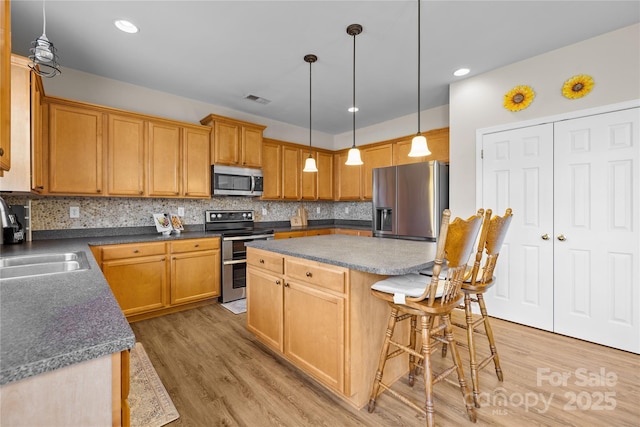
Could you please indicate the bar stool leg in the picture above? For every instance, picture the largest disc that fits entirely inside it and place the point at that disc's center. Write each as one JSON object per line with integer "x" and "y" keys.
{"x": 426, "y": 322}
{"x": 413, "y": 367}
{"x": 471, "y": 412}
{"x": 472, "y": 350}
{"x": 492, "y": 344}
{"x": 393, "y": 318}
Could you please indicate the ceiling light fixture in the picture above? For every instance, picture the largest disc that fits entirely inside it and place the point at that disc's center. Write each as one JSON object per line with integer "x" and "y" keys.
{"x": 461, "y": 72}
{"x": 353, "y": 157}
{"x": 310, "y": 163}
{"x": 126, "y": 26}
{"x": 419, "y": 145}
{"x": 44, "y": 60}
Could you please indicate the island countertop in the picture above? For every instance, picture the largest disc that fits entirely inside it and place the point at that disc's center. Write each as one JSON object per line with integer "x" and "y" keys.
{"x": 368, "y": 254}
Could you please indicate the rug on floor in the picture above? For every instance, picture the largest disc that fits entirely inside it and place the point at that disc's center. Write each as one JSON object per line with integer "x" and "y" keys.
{"x": 151, "y": 405}
{"x": 237, "y": 306}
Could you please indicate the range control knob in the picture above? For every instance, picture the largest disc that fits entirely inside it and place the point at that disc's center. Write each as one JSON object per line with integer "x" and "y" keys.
{"x": 219, "y": 216}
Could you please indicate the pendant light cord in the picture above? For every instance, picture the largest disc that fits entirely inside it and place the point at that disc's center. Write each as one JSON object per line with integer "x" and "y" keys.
{"x": 309, "y": 108}
{"x": 419, "y": 67}
{"x": 44, "y": 20}
{"x": 354, "y": 90}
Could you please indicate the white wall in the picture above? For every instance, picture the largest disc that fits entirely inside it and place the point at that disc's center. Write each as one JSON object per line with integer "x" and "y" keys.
{"x": 612, "y": 59}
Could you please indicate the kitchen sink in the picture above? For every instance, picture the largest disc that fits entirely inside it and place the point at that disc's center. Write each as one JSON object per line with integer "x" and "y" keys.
{"x": 15, "y": 267}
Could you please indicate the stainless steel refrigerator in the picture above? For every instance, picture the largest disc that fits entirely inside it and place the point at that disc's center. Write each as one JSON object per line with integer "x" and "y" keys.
{"x": 408, "y": 200}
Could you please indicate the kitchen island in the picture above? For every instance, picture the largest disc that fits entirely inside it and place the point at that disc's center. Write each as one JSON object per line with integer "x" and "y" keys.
{"x": 309, "y": 300}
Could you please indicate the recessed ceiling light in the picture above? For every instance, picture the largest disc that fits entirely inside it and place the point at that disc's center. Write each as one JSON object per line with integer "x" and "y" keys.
{"x": 352, "y": 109}
{"x": 126, "y": 26}
{"x": 461, "y": 72}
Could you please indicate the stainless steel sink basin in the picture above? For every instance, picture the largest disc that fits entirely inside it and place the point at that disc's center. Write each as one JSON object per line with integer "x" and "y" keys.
{"x": 15, "y": 267}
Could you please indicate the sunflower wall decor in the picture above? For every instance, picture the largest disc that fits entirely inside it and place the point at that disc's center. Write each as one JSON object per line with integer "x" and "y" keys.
{"x": 518, "y": 98}
{"x": 577, "y": 86}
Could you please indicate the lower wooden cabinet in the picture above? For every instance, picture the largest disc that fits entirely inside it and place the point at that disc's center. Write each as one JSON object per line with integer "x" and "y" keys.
{"x": 151, "y": 278}
{"x": 300, "y": 312}
{"x": 321, "y": 232}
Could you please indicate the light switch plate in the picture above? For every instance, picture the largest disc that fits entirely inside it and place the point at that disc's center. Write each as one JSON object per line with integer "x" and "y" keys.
{"x": 180, "y": 211}
{"x": 264, "y": 211}
{"x": 74, "y": 212}
{"x": 318, "y": 210}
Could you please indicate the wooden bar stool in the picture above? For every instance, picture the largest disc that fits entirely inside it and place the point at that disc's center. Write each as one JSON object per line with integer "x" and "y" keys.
{"x": 479, "y": 279}
{"x": 414, "y": 296}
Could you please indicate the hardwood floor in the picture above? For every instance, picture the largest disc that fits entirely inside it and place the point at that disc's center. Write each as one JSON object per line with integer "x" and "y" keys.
{"x": 218, "y": 374}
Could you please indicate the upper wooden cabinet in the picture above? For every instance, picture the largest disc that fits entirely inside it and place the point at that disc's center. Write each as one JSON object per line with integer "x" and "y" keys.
{"x": 235, "y": 142}
{"x": 437, "y": 140}
{"x": 75, "y": 150}
{"x": 377, "y": 156}
{"x": 272, "y": 169}
{"x": 125, "y": 156}
{"x": 291, "y": 170}
{"x": 5, "y": 86}
{"x": 164, "y": 160}
{"x": 196, "y": 167}
{"x": 324, "y": 161}
{"x": 348, "y": 178}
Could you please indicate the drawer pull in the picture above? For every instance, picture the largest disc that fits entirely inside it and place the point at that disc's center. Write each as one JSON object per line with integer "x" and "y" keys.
{"x": 277, "y": 282}
{"x": 261, "y": 261}
{"x": 308, "y": 274}
{"x": 197, "y": 245}
{"x": 135, "y": 251}
{"x": 286, "y": 285}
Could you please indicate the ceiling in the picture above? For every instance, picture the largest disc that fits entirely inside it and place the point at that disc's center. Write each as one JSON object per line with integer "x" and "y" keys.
{"x": 220, "y": 51}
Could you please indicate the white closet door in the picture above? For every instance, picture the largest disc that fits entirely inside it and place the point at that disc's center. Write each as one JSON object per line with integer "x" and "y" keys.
{"x": 597, "y": 268}
{"x": 518, "y": 173}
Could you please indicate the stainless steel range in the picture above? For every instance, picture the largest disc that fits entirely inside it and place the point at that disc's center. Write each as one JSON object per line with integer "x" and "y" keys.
{"x": 237, "y": 228}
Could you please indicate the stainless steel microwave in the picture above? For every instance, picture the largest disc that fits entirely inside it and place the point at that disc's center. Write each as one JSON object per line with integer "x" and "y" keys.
{"x": 234, "y": 181}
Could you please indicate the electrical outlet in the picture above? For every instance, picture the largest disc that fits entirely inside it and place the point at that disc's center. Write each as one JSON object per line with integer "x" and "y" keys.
{"x": 318, "y": 210}
{"x": 346, "y": 210}
{"x": 74, "y": 212}
{"x": 264, "y": 211}
{"x": 180, "y": 211}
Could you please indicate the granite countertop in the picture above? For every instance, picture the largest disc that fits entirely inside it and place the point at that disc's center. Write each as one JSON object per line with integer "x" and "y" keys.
{"x": 49, "y": 322}
{"x": 372, "y": 255}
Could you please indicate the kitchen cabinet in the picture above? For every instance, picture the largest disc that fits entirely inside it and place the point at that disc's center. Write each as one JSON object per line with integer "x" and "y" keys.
{"x": 272, "y": 169}
{"x": 138, "y": 274}
{"x": 309, "y": 188}
{"x": 75, "y": 150}
{"x": 376, "y": 156}
{"x": 126, "y": 156}
{"x": 195, "y": 270}
{"x": 348, "y": 178}
{"x": 5, "y": 86}
{"x": 196, "y": 169}
{"x": 309, "y": 300}
{"x": 291, "y": 173}
{"x": 437, "y": 140}
{"x": 324, "y": 162}
{"x": 353, "y": 232}
{"x": 154, "y": 278}
{"x": 235, "y": 142}
{"x": 25, "y": 127}
{"x": 303, "y": 233}
{"x": 164, "y": 160}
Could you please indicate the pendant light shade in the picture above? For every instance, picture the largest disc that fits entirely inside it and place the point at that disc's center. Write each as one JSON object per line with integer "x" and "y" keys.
{"x": 310, "y": 163}
{"x": 44, "y": 59}
{"x": 419, "y": 145}
{"x": 353, "y": 158}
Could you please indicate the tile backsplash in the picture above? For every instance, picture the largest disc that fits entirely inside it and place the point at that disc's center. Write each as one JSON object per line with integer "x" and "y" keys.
{"x": 52, "y": 213}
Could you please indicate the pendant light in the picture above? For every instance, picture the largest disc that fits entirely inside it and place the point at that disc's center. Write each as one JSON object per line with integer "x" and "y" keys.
{"x": 44, "y": 60}
{"x": 310, "y": 163}
{"x": 353, "y": 157}
{"x": 419, "y": 146}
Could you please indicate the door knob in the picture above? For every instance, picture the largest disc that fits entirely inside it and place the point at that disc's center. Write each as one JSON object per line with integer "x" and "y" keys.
{"x": 545, "y": 236}
{"x": 561, "y": 237}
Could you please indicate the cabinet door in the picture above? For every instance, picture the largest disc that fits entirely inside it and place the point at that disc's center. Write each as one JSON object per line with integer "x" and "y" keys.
{"x": 347, "y": 179}
{"x": 125, "y": 147}
{"x": 164, "y": 160}
{"x": 139, "y": 284}
{"x": 195, "y": 276}
{"x": 251, "y": 148}
{"x": 226, "y": 143}
{"x": 288, "y": 234}
{"x": 291, "y": 170}
{"x": 75, "y": 150}
{"x": 5, "y": 86}
{"x": 37, "y": 152}
{"x": 264, "y": 307}
{"x": 375, "y": 157}
{"x": 325, "y": 176}
{"x": 196, "y": 168}
{"x": 437, "y": 140}
{"x": 272, "y": 170}
{"x": 309, "y": 179}
{"x": 314, "y": 332}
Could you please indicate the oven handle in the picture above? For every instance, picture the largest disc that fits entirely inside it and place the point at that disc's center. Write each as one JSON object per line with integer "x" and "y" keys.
{"x": 254, "y": 237}
{"x": 253, "y": 183}
{"x": 236, "y": 261}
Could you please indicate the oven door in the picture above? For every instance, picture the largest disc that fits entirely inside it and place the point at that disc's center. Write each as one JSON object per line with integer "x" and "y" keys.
{"x": 234, "y": 265}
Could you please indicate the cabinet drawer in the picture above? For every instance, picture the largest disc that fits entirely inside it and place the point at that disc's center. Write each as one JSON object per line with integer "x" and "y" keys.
{"x": 132, "y": 250}
{"x": 265, "y": 260}
{"x": 316, "y": 274}
{"x": 191, "y": 245}
{"x": 288, "y": 234}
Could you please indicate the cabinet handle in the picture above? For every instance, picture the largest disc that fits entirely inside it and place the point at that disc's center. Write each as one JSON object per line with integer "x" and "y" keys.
{"x": 308, "y": 274}
{"x": 1, "y": 151}
{"x": 140, "y": 192}
{"x": 163, "y": 259}
{"x": 277, "y": 282}
{"x": 197, "y": 245}
{"x": 135, "y": 251}
{"x": 286, "y": 285}
{"x": 98, "y": 191}
{"x": 261, "y": 261}
{"x": 545, "y": 236}
{"x": 561, "y": 237}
